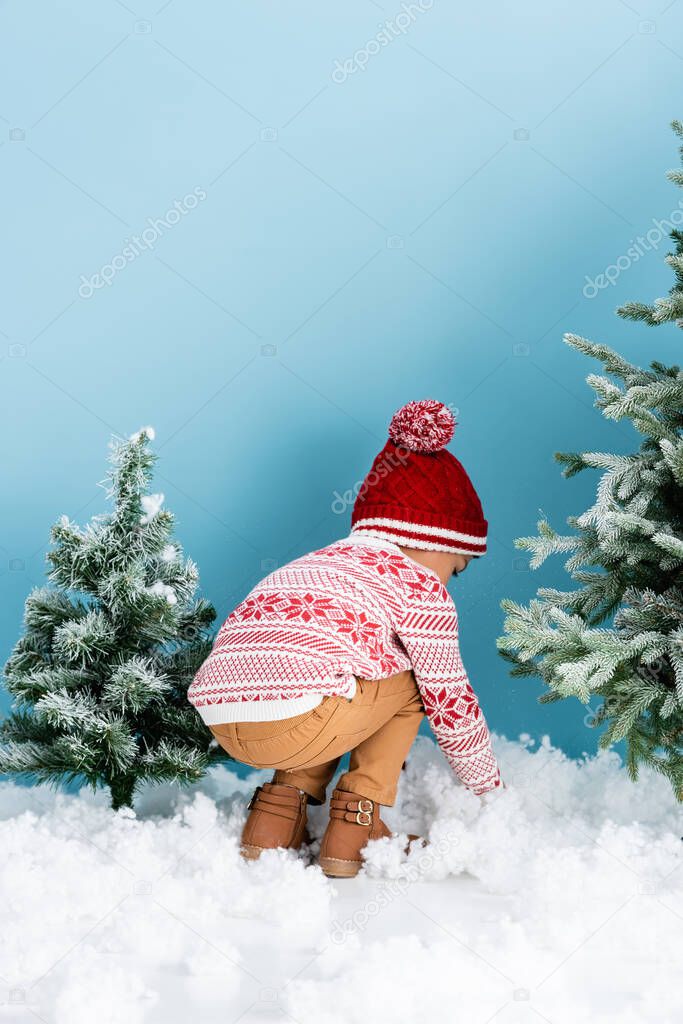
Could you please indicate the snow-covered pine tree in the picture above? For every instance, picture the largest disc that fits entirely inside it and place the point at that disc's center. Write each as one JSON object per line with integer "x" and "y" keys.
{"x": 619, "y": 635}
{"x": 670, "y": 309}
{"x": 101, "y": 672}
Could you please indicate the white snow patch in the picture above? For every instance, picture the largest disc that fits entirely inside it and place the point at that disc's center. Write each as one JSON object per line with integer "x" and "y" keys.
{"x": 169, "y": 553}
{"x": 96, "y": 989}
{"x": 163, "y": 590}
{"x": 151, "y": 506}
{"x": 561, "y": 898}
{"x": 148, "y": 432}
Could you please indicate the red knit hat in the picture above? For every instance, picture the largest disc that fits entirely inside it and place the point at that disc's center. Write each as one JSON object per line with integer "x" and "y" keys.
{"x": 417, "y": 494}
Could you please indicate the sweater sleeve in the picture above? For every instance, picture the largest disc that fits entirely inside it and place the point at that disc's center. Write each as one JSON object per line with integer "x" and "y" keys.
{"x": 429, "y": 632}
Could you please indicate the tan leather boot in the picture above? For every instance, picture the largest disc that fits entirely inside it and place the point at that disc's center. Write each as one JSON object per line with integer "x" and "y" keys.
{"x": 277, "y": 819}
{"x": 354, "y": 820}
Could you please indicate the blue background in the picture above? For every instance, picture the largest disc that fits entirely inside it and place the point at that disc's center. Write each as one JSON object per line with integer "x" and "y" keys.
{"x": 422, "y": 227}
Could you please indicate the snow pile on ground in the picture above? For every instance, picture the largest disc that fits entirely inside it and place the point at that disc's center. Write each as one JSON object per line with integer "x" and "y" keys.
{"x": 559, "y": 899}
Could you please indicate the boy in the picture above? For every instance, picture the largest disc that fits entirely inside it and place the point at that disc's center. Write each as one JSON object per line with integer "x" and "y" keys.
{"x": 347, "y": 648}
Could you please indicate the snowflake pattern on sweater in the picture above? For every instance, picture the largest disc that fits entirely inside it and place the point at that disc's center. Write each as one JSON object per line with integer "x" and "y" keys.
{"x": 358, "y": 608}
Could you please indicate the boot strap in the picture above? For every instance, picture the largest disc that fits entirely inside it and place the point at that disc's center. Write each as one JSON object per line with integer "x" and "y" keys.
{"x": 254, "y": 798}
{"x": 270, "y": 803}
{"x": 260, "y": 793}
{"x": 357, "y": 811}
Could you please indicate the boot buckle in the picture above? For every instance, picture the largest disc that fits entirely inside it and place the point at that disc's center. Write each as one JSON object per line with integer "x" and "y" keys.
{"x": 254, "y": 798}
{"x": 363, "y": 814}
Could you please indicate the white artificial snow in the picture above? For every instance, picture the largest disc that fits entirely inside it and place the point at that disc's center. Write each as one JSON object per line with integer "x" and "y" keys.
{"x": 558, "y": 899}
{"x": 96, "y": 989}
{"x": 163, "y": 590}
{"x": 151, "y": 506}
{"x": 148, "y": 432}
{"x": 169, "y": 553}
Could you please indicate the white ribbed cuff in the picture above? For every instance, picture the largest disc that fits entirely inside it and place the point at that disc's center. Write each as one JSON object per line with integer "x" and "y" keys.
{"x": 258, "y": 710}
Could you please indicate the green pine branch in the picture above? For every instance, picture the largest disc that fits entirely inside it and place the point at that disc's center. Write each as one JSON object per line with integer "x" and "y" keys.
{"x": 670, "y": 309}
{"x": 616, "y": 636}
{"x": 99, "y": 676}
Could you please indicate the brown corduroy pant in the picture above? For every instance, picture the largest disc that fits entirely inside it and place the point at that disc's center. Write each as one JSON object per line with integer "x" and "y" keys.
{"x": 377, "y": 727}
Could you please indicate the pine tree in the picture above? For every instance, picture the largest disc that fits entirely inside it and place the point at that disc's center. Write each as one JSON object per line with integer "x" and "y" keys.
{"x": 101, "y": 671}
{"x": 618, "y": 635}
{"x": 670, "y": 309}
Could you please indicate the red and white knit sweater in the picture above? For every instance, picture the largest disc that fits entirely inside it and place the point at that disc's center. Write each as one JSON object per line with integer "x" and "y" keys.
{"x": 359, "y": 607}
